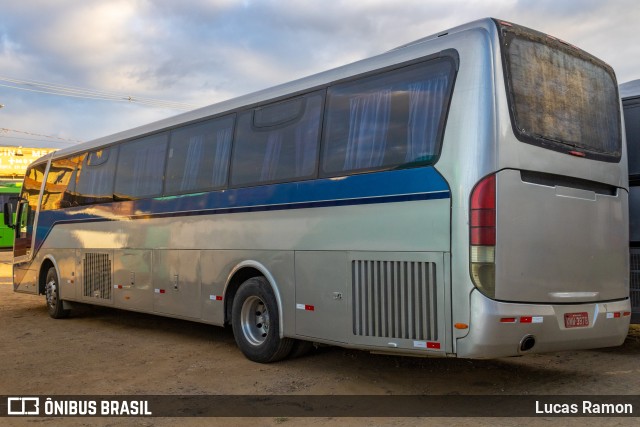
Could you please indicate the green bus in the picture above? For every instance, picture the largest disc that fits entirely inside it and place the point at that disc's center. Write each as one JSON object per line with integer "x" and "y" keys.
{"x": 8, "y": 189}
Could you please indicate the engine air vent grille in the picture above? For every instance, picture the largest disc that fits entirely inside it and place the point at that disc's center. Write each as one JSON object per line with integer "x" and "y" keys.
{"x": 97, "y": 276}
{"x": 394, "y": 299}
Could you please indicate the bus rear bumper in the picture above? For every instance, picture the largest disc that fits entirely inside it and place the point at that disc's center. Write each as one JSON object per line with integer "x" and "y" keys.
{"x": 508, "y": 329}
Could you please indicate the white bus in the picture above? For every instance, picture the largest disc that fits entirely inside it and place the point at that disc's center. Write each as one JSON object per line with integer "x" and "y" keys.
{"x": 462, "y": 195}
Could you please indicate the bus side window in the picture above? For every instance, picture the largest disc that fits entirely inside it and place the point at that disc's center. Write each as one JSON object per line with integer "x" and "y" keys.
{"x": 141, "y": 167}
{"x": 278, "y": 142}
{"x": 199, "y": 156}
{"x": 59, "y": 189}
{"x": 95, "y": 180}
{"x": 395, "y": 119}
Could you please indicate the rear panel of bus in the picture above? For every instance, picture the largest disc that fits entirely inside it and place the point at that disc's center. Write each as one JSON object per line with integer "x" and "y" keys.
{"x": 548, "y": 235}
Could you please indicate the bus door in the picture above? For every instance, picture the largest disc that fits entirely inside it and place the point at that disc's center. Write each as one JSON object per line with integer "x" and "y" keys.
{"x": 25, "y": 227}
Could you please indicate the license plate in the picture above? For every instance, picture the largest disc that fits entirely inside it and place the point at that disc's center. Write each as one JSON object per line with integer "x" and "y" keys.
{"x": 576, "y": 320}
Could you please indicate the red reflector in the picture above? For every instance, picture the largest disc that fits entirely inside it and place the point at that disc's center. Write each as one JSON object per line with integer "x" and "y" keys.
{"x": 218, "y": 297}
{"x": 309, "y": 307}
{"x": 577, "y": 153}
{"x": 626, "y": 313}
{"x": 508, "y": 320}
{"x": 616, "y": 314}
{"x": 506, "y": 23}
{"x": 486, "y": 217}
{"x": 435, "y": 345}
{"x": 525, "y": 319}
{"x": 483, "y": 236}
{"x": 162, "y": 291}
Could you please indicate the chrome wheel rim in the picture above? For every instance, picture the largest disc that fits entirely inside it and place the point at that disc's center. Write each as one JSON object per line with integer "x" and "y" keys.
{"x": 254, "y": 319}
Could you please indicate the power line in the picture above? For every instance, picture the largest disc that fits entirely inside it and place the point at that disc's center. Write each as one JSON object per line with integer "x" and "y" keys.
{"x": 38, "y": 134}
{"x": 77, "y": 92}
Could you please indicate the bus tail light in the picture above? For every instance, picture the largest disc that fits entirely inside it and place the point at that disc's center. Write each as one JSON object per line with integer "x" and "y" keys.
{"x": 482, "y": 234}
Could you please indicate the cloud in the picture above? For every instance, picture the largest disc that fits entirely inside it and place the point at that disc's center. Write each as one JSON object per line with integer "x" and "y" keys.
{"x": 205, "y": 51}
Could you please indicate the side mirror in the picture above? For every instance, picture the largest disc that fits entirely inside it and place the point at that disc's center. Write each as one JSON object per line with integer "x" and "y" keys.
{"x": 8, "y": 215}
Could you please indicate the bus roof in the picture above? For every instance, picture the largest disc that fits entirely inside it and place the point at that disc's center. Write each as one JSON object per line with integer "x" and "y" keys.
{"x": 403, "y": 53}
{"x": 630, "y": 89}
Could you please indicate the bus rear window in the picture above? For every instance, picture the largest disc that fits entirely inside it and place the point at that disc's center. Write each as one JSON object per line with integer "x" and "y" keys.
{"x": 560, "y": 97}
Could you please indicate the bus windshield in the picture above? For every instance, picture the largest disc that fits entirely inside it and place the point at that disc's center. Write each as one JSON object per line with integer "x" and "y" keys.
{"x": 560, "y": 97}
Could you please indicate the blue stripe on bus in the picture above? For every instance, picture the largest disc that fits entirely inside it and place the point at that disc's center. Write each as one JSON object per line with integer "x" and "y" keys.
{"x": 373, "y": 188}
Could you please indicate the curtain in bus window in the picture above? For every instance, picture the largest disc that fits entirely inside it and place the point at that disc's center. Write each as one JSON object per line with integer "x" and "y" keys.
{"x": 368, "y": 125}
{"x": 272, "y": 156}
{"x": 221, "y": 159}
{"x": 277, "y": 142}
{"x": 199, "y": 156}
{"x": 192, "y": 164}
{"x": 145, "y": 164}
{"x": 306, "y": 145}
{"x": 425, "y": 109}
{"x": 387, "y": 121}
{"x": 95, "y": 181}
{"x": 141, "y": 167}
{"x": 98, "y": 184}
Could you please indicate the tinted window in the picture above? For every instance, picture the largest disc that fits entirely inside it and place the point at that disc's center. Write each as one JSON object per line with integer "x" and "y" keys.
{"x": 389, "y": 120}
{"x": 32, "y": 183}
{"x": 95, "y": 179}
{"x": 632, "y": 125}
{"x": 60, "y": 184}
{"x": 199, "y": 156}
{"x": 141, "y": 167}
{"x": 278, "y": 142}
{"x": 561, "y": 98}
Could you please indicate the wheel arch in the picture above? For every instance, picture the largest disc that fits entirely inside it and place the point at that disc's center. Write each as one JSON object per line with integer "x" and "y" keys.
{"x": 48, "y": 262}
{"x": 241, "y": 273}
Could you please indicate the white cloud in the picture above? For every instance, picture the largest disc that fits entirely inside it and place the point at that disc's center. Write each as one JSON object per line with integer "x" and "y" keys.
{"x": 204, "y": 51}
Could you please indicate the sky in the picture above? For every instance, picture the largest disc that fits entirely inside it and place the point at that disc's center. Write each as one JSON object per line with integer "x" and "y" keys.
{"x": 200, "y": 52}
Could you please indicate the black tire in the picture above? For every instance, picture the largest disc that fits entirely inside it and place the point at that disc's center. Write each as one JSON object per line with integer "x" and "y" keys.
{"x": 256, "y": 324}
{"x": 52, "y": 296}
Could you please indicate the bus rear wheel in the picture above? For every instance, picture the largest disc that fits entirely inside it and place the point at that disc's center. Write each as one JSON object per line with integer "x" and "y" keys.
{"x": 256, "y": 324}
{"x": 52, "y": 295}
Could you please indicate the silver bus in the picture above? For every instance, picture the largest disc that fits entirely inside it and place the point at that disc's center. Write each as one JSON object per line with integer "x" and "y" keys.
{"x": 462, "y": 195}
{"x": 630, "y": 94}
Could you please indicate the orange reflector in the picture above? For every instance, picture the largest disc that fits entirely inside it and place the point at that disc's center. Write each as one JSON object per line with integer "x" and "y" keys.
{"x": 525, "y": 319}
{"x": 508, "y": 320}
{"x": 461, "y": 326}
{"x": 626, "y": 313}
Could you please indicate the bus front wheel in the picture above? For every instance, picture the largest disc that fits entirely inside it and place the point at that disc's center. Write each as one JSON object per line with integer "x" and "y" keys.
{"x": 256, "y": 324}
{"x": 52, "y": 294}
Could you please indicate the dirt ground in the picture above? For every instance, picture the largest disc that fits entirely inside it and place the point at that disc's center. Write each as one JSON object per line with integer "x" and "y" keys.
{"x": 100, "y": 351}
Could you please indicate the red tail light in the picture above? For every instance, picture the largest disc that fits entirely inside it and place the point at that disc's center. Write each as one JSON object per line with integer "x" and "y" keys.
{"x": 482, "y": 235}
{"x": 483, "y": 213}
